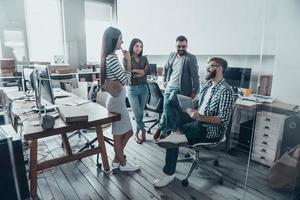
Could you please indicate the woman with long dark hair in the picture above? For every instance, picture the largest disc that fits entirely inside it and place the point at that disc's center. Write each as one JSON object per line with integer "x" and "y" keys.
{"x": 137, "y": 92}
{"x": 112, "y": 70}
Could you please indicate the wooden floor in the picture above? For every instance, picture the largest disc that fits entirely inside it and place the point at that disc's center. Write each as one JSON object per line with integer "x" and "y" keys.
{"x": 82, "y": 179}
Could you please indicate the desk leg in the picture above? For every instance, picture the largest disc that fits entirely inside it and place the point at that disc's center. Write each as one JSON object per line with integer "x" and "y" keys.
{"x": 102, "y": 148}
{"x": 33, "y": 169}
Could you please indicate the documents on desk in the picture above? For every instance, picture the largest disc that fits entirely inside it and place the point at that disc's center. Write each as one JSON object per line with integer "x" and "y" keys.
{"x": 259, "y": 98}
{"x": 77, "y": 102}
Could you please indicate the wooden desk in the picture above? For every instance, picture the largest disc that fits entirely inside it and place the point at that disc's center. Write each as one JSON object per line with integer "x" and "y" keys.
{"x": 98, "y": 115}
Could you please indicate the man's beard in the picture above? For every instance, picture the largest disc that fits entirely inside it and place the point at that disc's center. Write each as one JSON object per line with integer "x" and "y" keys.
{"x": 211, "y": 75}
{"x": 181, "y": 52}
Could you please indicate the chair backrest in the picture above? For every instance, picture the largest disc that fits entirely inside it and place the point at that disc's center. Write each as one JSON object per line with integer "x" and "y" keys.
{"x": 102, "y": 97}
{"x": 93, "y": 91}
{"x": 156, "y": 98}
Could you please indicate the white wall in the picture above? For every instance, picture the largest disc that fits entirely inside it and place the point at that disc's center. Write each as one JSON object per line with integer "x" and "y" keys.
{"x": 286, "y": 85}
{"x": 214, "y": 27}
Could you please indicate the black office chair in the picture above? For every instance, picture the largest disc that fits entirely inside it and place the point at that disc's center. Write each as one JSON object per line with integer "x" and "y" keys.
{"x": 155, "y": 103}
{"x": 201, "y": 161}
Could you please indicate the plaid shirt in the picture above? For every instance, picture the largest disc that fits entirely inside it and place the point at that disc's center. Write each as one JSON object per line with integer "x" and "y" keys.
{"x": 220, "y": 104}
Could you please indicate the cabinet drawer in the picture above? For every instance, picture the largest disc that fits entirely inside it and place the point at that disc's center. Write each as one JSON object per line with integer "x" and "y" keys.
{"x": 265, "y": 142}
{"x": 266, "y": 153}
{"x": 262, "y": 159}
{"x": 270, "y": 122}
{"x": 263, "y": 135}
{"x": 270, "y": 128}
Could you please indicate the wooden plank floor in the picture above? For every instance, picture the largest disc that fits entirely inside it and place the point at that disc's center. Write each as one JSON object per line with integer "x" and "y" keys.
{"x": 83, "y": 180}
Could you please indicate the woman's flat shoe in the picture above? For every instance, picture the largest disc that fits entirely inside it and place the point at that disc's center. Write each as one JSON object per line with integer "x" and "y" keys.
{"x": 138, "y": 140}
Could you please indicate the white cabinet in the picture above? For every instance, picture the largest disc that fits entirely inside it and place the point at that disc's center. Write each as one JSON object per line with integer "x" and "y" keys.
{"x": 267, "y": 137}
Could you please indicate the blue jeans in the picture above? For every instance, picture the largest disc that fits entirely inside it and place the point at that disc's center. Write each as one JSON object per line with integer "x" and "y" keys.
{"x": 193, "y": 130}
{"x": 138, "y": 96}
{"x": 170, "y": 101}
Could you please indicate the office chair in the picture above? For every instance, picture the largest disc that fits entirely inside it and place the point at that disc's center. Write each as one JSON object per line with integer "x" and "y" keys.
{"x": 72, "y": 85}
{"x": 155, "y": 103}
{"x": 201, "y": 161}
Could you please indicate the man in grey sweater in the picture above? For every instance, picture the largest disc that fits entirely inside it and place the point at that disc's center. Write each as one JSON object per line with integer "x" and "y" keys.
{"x": 180, "y": 77}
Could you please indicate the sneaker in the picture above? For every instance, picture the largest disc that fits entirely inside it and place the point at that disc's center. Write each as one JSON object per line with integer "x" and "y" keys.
{"x": 164, "y": 180}
{"x": 115, "y": 165}
{"x": 175, "y": 139}
{"x": 129, "y": 168}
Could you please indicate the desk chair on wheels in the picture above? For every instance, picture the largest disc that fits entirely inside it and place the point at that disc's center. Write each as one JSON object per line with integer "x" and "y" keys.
{"x": 69, "y": 85}
{"x": 155, "y": 103}
{"x": 201, "y": 161}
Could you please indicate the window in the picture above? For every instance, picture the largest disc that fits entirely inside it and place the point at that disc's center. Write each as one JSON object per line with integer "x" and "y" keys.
{"x": 44, "y": 29}
{"x": 98, "y": 16}
{"x": 14, "y": 46}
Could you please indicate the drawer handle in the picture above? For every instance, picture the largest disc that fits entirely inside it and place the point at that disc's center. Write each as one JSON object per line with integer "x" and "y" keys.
{"x": 262, "y": 157}
{"x": 263, "y": 150}
{"x": 265, "y": 135}
{"x": 264, "y": 142}
{"x": 267, "y": 127}
{"x": 267, "y": 119}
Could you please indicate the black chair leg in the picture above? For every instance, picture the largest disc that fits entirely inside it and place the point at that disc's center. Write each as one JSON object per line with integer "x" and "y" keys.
{"x": 149, "y": 130}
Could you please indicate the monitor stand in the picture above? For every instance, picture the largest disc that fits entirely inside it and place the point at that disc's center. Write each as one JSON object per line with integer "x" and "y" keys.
{"x": 47, "y": 108}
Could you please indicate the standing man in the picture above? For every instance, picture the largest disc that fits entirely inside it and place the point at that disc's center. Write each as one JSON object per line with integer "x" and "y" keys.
{"x": 180, "y": 77}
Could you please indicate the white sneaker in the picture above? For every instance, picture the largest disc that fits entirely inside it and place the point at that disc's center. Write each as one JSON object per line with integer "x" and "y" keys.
{"x": 129, "y": 168}
{"x": 175, "y": 139}
{"x": 115, "y": 165}
{"x": 164, "y": 180}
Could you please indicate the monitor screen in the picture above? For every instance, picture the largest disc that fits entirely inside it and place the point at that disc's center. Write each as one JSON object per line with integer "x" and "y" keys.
{"x": 238, "y": 77}
{"x": 27, "y": 79}
{"x": 42, "y": 73}
{"x": 153, "y": 70}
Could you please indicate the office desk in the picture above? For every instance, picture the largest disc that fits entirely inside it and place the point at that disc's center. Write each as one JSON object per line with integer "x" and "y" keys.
{"x": 247, "y": 110}
{"x": 97, "y": 115}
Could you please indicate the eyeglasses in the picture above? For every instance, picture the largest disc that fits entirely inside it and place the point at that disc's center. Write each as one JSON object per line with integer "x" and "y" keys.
{"x": 181, "y": 46}
{"x": 212, "y": 67}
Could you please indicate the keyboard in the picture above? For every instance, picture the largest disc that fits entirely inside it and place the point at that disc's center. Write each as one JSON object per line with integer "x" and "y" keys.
{"x": 3, "y": 134}
{"x": 59, "y": 93}
{"x": 7, "y": 131}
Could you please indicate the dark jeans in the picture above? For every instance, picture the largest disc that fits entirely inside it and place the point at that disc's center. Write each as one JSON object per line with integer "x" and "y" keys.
{"x": 193, "y": 130}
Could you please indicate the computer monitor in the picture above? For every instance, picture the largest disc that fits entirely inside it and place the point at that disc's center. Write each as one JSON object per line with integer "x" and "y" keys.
{"x": 42, "y": 86}
{"x": 153, "y": 71}
{"x": 27, "y": 78}
{"x": 238, "y": 77}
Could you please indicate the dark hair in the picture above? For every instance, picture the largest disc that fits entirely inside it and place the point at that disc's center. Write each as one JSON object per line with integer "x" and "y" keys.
{"x": 220, "y": 61}
{"x": 181, "y": 38}
{"x": 109, "y": 43}
{"x": 132, "y": 43}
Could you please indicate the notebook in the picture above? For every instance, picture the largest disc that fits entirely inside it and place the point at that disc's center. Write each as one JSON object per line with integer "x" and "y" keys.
{"x": 72, "y": 114}
{"x": 185, "y": 102}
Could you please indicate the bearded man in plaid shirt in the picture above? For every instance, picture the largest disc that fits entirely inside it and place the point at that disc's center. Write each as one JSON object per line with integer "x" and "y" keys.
{"x": 214, "y": 106}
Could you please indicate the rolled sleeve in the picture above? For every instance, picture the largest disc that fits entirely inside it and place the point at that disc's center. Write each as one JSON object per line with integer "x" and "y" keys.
{"x": 225, "y": 107}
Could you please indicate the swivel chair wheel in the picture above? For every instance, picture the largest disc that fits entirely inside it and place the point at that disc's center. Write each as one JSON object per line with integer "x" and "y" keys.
{"x": 220, "y": 181}
{"x": 92, "y": 146}
{"x": 148, "y": 131}
{"x": 99, "y": 165}
{"x": 187, "y": 155}
{"x": 216, "y": 163}
{"x": 184, "y": 182}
